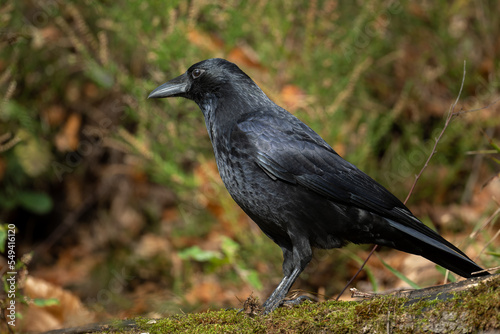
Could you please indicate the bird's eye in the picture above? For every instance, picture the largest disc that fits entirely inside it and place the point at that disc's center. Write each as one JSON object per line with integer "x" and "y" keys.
{"x": 197, "y": 72}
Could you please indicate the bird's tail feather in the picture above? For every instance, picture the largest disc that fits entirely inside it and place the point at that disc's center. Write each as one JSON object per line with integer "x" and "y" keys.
{"x": 435, "y": 248}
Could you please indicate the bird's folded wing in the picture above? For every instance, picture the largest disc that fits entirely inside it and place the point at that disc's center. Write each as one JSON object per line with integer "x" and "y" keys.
{"x": 288, "y": 150}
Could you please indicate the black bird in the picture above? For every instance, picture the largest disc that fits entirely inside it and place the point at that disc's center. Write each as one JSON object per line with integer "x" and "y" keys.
{"x": 297, "y": 189}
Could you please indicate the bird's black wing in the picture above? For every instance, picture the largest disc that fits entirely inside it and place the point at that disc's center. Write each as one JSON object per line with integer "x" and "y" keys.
{"x": 288, "y": 150}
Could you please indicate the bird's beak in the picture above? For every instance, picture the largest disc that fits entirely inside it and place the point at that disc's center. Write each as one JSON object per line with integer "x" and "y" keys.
{"x": 174, "y": 87}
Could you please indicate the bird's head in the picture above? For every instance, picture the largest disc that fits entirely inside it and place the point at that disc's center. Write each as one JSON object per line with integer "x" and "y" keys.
{"x": 211, "y": 77}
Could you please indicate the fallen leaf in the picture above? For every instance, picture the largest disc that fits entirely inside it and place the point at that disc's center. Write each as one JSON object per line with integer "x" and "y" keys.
{"x": 68, "y": 138}
{"x": 244, "y": 55}
{"x": 293, "y": 97}
{"x": 209, "y": 42}
{"x": 151, "y": 245}
{"x": 54, "y": 115}
{"x": 69, "y": 311}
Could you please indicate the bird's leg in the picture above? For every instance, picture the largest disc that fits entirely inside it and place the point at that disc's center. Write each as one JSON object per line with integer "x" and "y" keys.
{"x": 278, "y": 295}
{"x": 294, "y": 262}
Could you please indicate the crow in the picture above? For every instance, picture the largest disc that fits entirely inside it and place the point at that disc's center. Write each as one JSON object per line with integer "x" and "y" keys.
{"x": 292, "y": 184}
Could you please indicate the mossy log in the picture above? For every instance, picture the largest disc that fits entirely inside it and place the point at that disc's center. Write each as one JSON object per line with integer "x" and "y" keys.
{"x": 471, "y": 305}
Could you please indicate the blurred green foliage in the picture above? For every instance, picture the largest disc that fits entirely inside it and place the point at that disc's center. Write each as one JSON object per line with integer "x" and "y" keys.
{"x": 229, "y": 254}
{"x": 375, "y": 79}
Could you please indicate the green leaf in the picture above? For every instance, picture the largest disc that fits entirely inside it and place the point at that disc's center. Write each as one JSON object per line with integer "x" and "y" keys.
{"x": 229, "y": 247}
{"x": 3, "y": 237}
{"x": 99, "y": 74}
{"x": 399, "y": 275}
{"x": 42, "y": 302}
{"x": 253, "y": 279}
{"x": 33, "y": 154}
{"x": 442, "y": 270}
{"x": 493, "y": 254}
{"x": 494, "y": 145}
{"x": 7, "y": 202}
{"x": 198, "y": 254}
{"x": 13, "y": 111}
{"x": 5, "y": 284}
{"x": 36, "y": 202}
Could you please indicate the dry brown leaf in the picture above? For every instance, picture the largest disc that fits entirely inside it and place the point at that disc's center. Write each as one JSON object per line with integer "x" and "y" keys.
{"x": 293, "y": 97}
{"x": 170, "y": 214}
{"x": 151, "y": 245}
{"x": 72, "y": 268}
{"x": 91, "y": 91}
{"x": 340, "y": 148}
{"x": 72, "y": 92}
{"x": 205, "y": 292}
{"x": 418, "y": 10}
{"x": 487, "y": 67}
{"x": 50, "y": 34}
{"x": 54, "y": 115}
{"x": 209, "y": 290}
{"x": 209, "y": 42}
{"x": 245, "y": 56}
{"x": 68, "y": 138}
{"x": 3, "y": 167}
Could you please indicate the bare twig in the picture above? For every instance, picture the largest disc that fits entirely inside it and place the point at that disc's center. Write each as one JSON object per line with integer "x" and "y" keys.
{"x": 357, "y": 272}
{"x": 6, "y": 142}
{"x": 485, "y": 270}
{"x": 486, "y": 223}
{"x": 451, "y": 114}
{"x": 461, "y": 112}
{"x": 355, "y": 293}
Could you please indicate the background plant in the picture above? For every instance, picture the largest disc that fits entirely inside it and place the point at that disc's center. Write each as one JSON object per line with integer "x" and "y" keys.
{"x": 97, "y": 178}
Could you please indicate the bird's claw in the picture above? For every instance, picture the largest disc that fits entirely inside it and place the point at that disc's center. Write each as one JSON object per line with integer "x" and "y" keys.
{"x": 285, "y": 302}
{"x": 296, "y": 301}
